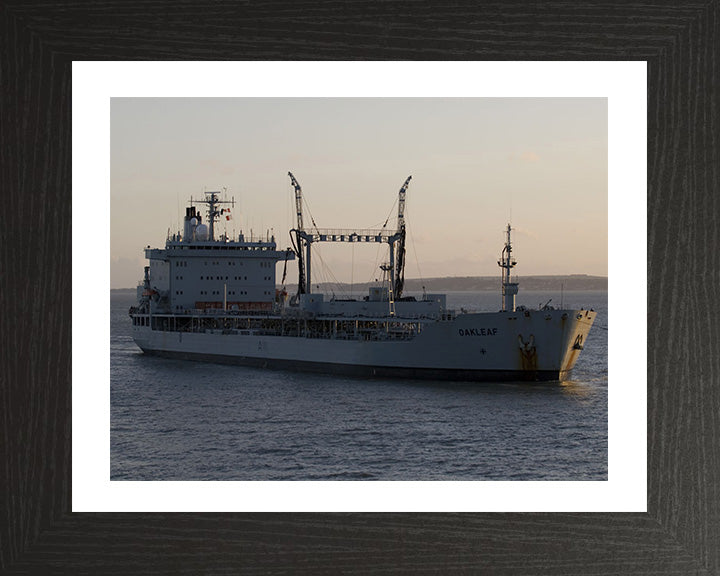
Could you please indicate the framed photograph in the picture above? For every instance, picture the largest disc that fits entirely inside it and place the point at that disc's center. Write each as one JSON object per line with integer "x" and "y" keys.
{"x": 393, "y": 327}
{"x": 498, "y": 147}
{"x": 49, "y": 524}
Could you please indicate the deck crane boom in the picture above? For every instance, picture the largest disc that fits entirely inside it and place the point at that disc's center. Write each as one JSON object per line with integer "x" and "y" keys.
{"x": 300, "y": 236}
{"x": 298, "y": 200}
{"x": 400, "y": 254}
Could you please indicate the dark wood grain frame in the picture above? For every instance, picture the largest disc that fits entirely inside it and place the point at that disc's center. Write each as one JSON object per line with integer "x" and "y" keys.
{"x": 680, "y": 533}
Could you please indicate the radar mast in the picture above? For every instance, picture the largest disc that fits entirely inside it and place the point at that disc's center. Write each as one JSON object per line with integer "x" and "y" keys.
{"x": 212, "y": 200}
{"x": 506, "y": 262}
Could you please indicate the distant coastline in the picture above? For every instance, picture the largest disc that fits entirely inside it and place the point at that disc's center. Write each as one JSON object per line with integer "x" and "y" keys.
{"x": 572, "y": 282}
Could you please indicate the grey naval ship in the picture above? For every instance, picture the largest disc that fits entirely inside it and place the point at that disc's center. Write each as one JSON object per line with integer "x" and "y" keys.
{"x": 215, "y": 299}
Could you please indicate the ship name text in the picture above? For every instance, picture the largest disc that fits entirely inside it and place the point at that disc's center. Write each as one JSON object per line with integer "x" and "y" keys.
{"x": 477, "y": 331}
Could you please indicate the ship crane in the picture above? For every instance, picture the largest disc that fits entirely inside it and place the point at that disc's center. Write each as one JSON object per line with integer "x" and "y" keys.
{"x": 400, "y": 257}
{"x": 300, "y": 237}
{"x": 305, "y": 238}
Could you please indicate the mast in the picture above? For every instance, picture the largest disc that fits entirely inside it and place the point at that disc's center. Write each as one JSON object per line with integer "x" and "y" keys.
{"x": 212, "y": 200}
{"x": 506, "y": 262}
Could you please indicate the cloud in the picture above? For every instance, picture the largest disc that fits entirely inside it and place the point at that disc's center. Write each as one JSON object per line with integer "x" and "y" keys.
{"x": 529, "y": 157}
{"x": 525, "y": 233}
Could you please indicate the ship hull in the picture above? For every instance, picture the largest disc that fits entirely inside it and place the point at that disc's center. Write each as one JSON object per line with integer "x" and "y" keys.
{"x": 500, "y": 347}
{"x": 368, "y": 371}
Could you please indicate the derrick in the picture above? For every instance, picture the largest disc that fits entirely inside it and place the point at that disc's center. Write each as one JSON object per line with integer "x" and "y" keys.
{"x": 400, "y": 249}
{"x": 299, "y": 237}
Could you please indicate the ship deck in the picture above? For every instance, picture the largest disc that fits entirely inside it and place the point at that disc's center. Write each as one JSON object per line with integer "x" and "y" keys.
{"x": 262, "y": 323}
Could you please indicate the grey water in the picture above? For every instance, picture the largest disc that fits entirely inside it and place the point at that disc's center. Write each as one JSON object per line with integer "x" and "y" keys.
{"x": 183, "y": 420}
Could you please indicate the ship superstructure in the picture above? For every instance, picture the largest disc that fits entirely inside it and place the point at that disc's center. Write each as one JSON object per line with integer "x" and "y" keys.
{"x": 197, "y": 272}
{"x": 216, "y": 299}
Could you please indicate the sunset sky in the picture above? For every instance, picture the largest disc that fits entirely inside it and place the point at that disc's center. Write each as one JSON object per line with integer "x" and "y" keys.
{"x": 477, "y": 164}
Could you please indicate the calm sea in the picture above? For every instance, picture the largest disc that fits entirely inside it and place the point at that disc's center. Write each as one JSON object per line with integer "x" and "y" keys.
{"x": 182, "y": 420}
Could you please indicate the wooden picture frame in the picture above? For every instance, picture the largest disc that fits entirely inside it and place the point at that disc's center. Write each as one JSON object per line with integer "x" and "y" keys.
{"x": 680, "y": 533}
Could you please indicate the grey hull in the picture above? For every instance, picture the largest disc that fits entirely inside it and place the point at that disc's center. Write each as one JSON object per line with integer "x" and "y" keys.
{"x": 498, "y": 347}
{"x": 457, "y": 375}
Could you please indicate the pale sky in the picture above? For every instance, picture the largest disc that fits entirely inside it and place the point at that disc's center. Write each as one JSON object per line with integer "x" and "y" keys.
{"x": 477, "y": 164}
